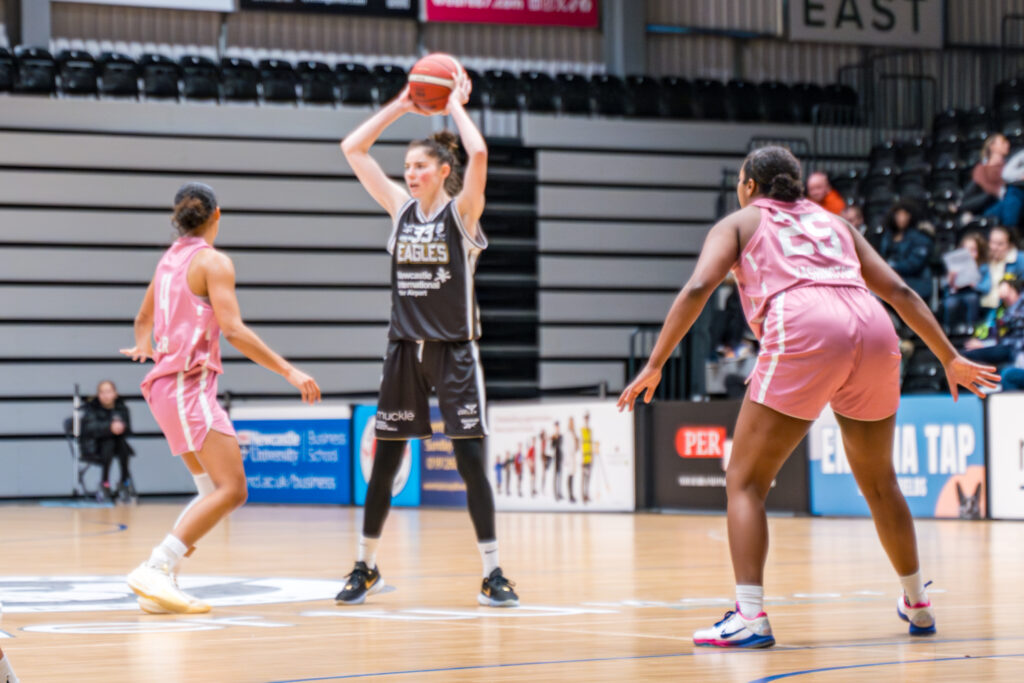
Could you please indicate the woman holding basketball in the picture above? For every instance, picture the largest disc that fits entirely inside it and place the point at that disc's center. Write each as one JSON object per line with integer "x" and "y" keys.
{"x": 435, "y": 243}
{"x": 805, "y": 280}
{"x": 189, "y": 302}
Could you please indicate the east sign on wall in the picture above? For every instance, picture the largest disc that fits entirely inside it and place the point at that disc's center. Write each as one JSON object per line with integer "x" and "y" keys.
{"x": 902, "y": 23}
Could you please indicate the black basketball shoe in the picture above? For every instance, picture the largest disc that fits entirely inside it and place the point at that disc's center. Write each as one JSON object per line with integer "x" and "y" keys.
{"x": 361, "y": 582}
{"x": 497, "y": 591}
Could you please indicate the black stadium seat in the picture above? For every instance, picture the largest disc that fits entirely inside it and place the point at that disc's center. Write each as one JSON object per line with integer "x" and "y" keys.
{"x": 8, "y": 70}
{"x": 316, "y": 81}
{"x": 979, "y": 124}
{"x": 776, "y": 102}
{"x": 912, "y": 185}
{"x": 807, "y": 96}
{"x": 882, "y": 155}
{"x": 389, "y": 79}
{"x": 159, "y": 76}
{"x": 573, "y": 93}
{"x": 78, "y": 72}
{"x": 200, "y": 78}
{"x": 645, "y": 96}
{"x": 277, "y": 79}
{"x": 37, "y": 71}
{"x": 1008, "y": 92}
{"x": 743, "y": 102}
{"x": 946, "y": 150}
{"x": 709, "y": 99}
{"x": 119, "y": 75}
{"x": 947, "y": 123}
{"x": 355, "y": 83}
{"x": 476, "y": 94}
{"x": 239, "y": 80}
{"x": 501, "y": 90}
{"x": 840, "y": 95}
{"x": 847, "y": 184}
{"x": 609, "y": 95}
{"x": 912, "y": 155}
{"x": 677, "y": 97}
{"x": 539, "y": 91}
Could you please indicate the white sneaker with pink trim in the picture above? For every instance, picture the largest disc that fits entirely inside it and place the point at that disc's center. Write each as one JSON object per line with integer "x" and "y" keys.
{"x": 736, "y": 630}
{"x": 921, "y": 616}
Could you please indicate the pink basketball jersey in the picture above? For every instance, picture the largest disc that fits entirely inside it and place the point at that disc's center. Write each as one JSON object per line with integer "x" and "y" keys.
{"x": 185, "y": 330}
{"x": 797, "y": 244}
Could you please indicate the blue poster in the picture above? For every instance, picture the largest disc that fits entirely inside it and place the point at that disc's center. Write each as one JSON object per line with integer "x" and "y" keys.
{"x": 442, "y": 485}
{"x": 938, "y": 455}
{"x": 295, "y": 454}
{"x": 406, "y": 489}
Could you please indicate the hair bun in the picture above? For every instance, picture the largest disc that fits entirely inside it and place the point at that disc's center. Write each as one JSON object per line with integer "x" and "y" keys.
{"x": 785, "y": 187}
{"x": 448, "y": 140}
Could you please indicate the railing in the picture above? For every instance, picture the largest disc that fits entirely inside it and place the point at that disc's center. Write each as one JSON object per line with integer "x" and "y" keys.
{"x": 683, "y": 375}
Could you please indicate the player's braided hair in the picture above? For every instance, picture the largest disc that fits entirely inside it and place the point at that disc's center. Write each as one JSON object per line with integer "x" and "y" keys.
{"x": 193, "y": 205}
{"x": 776, "y": 172}
{"x": 444, "y": 146}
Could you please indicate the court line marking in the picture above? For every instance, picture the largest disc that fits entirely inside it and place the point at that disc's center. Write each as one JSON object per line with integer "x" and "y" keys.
{"x": 776, "y": 677}
{"x": 118, "y": 528}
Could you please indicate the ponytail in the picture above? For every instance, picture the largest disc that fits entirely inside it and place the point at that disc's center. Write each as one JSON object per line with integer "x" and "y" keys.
{"x": 444, "y": 147}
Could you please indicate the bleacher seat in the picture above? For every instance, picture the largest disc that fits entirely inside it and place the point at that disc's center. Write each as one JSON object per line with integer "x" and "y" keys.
{"x": 200, "y": 78}
{"x": 78, "y": 73}
{"x": 847, "y": 184}
{"x": 8, "y": 70}
{"x": 710, "y": 98}
{"x": 883, "y": 155}
{"x": 118, "y": 75}
{"x": 574, "y": 93}
{"x": 776, "y": 102}
{"x": 947, "y": 122}
{"x": 645, "y": 96}
{"x": 912, "y": 155}
{"x": 355, "y": 83}
{"x": 539, "y": 91}
{"x": 943, "y": 177}
{"x": 677, "y": 97}
{"x": 1010, "y": 119}
{"x": 840, "y": 95}
{"x": 277, "y": 80}
{"x": 501, "y": 90}
{"x": 476, "y": 94}
{"x": 978, "y": 124}
{"x": 912, "y": 184}
{"x": 609, "y": 95}
{"x": 239, "y": 80}
{"x": 159, "y": 76}
{"x": 37, "y": 71}
{"x": 742, "y": 101}
{"x": 1008, "y": 93}
{"x": 389, "y": 79}
{"x": 925, "y": 374}
{"x": 317, "y": 82}
{"x": 945, "y": 150}
{"x": 806, "y": 96}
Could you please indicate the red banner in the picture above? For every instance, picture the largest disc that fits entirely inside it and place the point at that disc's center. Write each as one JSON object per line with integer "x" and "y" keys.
{"x": 575, "y": 13}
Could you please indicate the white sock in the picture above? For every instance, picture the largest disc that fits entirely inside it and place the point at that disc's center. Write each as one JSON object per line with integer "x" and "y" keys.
{"x": 750, "y": 599}
{"x": 7, "y": 674}
{"x": 169, "y": 552}
{"x": 913, "y": 586}
{"x": 204, "y": 485}
{"x": 489, "y": 554}
{"x": 368, "y": 551}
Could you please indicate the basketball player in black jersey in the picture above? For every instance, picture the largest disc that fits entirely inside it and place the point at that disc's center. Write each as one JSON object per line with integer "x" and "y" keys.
{"x": 435, "y": 323}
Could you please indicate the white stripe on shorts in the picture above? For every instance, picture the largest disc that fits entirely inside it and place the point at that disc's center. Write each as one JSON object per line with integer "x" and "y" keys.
{"x": 780, "y": 304}
{"x": 204, "y": 404}
{"x": 182, "y": 415}
{"x": 481, "y": 393}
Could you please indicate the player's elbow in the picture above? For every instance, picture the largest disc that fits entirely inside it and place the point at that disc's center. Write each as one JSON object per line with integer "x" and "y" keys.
{"x": 232, "y": 331}
{"x": 478, "y": 156}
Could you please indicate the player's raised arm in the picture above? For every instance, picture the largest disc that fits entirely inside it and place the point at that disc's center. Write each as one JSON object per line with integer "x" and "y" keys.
{"x": 470, "y": 201}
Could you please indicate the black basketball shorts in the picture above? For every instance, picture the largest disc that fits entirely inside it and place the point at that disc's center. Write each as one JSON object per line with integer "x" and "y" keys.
{"x": 411, "y": 370}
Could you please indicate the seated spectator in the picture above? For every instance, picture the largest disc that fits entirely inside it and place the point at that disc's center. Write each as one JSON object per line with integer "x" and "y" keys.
{"x": 907, "y": 247}
{"x": 821, "y": 192}
{"x": 854, "y": 215}
{"x": 987, "y": 186}
{"x": 106, "y": 423}
{"x": 1000, "y": 341}
{"x": 1003, "y": 257}
{"x": 962, "y": 305}
{"x": 1008, "y": 209}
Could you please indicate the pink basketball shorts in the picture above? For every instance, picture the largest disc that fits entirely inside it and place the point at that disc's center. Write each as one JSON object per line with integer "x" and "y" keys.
{"x": 186, "y": 408}
{"x": 825, "y": 345}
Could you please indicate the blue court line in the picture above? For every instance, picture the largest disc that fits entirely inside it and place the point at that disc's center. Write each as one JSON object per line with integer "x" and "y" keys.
{"x": 118, "y": 528}
{"x": 776, "y": 677}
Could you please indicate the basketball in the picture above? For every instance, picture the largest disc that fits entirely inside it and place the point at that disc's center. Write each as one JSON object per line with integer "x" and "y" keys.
{"x": 431, "y": 80}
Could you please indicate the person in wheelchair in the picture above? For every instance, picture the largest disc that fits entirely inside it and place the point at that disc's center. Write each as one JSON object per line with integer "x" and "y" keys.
{"x": 106, "y": 422}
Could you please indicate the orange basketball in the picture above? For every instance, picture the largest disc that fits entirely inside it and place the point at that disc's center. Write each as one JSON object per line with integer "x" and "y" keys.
{"x": 431, "y": 80}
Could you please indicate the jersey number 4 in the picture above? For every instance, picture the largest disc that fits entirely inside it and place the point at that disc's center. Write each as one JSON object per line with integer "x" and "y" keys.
{"x": 816, "y": 229}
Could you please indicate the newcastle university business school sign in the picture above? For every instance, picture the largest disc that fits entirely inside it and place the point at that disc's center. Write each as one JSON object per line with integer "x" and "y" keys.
{"x": 902, "y": 23}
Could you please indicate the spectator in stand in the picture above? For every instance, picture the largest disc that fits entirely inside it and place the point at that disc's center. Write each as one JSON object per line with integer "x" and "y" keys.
{"x": 987, "y": 186}
{"x": 854, "y": 215}
{"x": 821, "y": 192}
{"x": 1008, "y": 209}
{"x": 106, "y": 423}
{"x": 1003, "y": 258}
{"x": 907, "y": 247}
{"x": 962, "y": 306}
{"x": 1000, "y": 340}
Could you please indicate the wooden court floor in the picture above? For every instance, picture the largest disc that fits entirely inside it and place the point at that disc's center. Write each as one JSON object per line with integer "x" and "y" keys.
{"x": 605, "y": 598}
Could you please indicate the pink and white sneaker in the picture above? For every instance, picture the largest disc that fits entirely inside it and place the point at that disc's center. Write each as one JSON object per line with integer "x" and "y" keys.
{"x": 921, "y": 616}
{"x": 736, "y": 630}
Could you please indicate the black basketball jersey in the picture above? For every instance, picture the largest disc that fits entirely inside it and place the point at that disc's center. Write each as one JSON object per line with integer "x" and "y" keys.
{"x": 432, "y": 266}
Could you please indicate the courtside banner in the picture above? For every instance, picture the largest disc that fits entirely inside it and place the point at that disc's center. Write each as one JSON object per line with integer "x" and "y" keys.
{"x": 573, "y": 13}
{"x": 441, "y": 483}
{"x": 691, "y": 444}
{"x": 295, "y": 454}
{"x": 938, "y": 454}
{"x": 400, "y": 9}
{"x": 405, "y": 491}
{"x": 561, "y": 456}
{"x": 1006, "y": 455}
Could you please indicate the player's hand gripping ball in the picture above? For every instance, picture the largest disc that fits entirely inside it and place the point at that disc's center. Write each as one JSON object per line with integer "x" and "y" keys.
{"x": 432, "y": 79}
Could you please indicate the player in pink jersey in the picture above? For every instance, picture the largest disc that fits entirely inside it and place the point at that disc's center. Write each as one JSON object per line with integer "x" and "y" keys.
{"x": 190, "y": 301}
{"x": 806, "y": 279}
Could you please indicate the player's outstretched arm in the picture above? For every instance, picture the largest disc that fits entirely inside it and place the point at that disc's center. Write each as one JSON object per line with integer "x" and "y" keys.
{"x": 470, "y": 202}
{"x": 143, "y": 348}
{"x": 219, "y": 273}
{"x": 719, "y": 253}
{"x": 890, "y": 287}
{"x": 356, "y": 148}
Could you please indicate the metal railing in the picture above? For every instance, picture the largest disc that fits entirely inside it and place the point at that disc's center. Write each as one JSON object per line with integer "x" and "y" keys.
{"x": 683, "y": 375}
